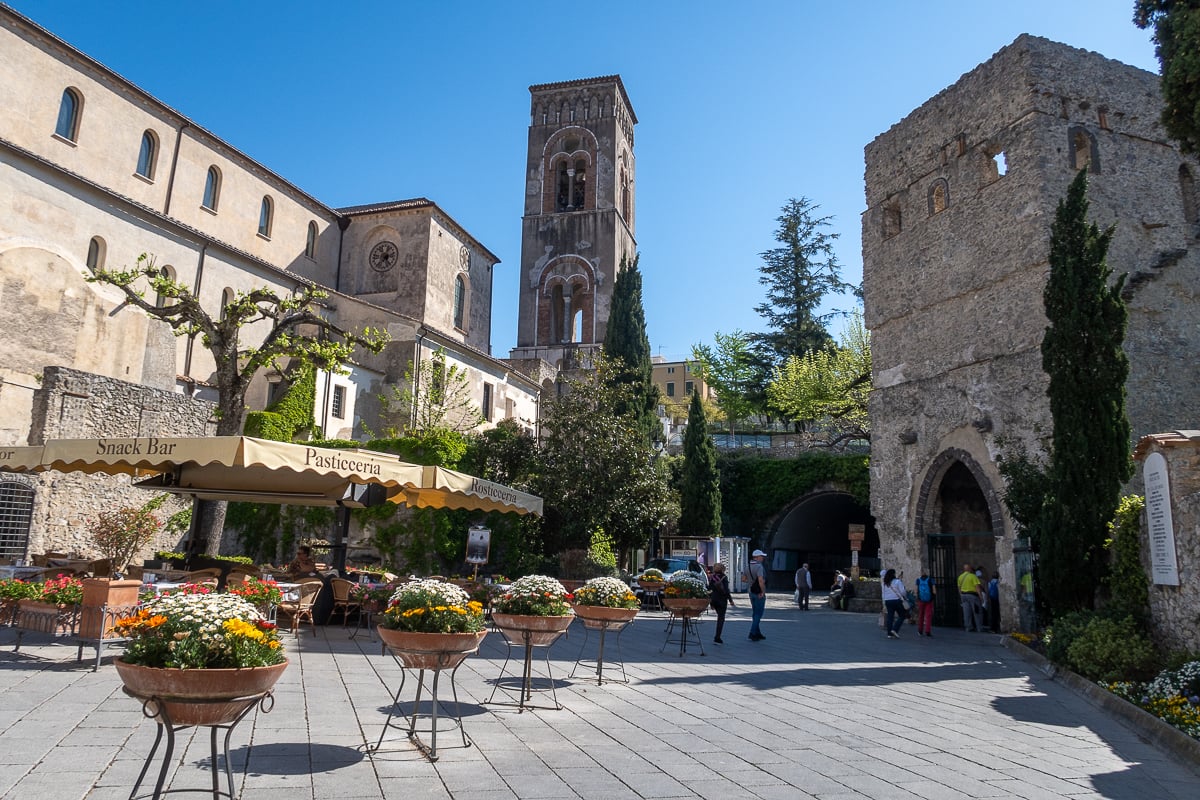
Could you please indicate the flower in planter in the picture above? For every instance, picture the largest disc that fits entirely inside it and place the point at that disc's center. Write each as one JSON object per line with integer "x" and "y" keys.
{"x": 651, "y": 575}
{"x": 431, "y": 606}
{"x": 12, "y": 590}
{"x": 685, "y": 585}
{"x": 607, "y": 592}
{"x": 62, "y": 591}
{"x": 363, "y": 593}
{"x": 200, "y": 631}
{"x": 535, "y": 595}
{"x": 256, "y": 592}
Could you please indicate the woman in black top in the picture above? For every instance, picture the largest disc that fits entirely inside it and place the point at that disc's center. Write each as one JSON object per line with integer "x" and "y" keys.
{"x": 718, "y": 585}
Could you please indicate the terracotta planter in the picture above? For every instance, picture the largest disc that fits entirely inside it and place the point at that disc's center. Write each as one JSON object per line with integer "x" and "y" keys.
{"x": 599, "y": 616}
{"x": 34, "y": 615}
{"x": 104, "y": 601}
{"x": 540, "y": 630}
{"x": 651, "y": 586}
{"x": 430, "y": 650}
{"x": 685, "y": 607}
{"x": 198, "y": 696}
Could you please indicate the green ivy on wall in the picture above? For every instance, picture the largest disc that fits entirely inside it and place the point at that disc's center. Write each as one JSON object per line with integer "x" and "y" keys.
{"x": 755, "y": 489}
{"x": 291, "y": 413}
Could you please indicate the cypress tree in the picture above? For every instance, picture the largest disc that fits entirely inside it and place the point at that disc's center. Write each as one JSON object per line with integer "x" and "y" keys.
{"x": 700, "y": 487}
{"x": 626, "y": 343}
{"x": 1090, "y": 453}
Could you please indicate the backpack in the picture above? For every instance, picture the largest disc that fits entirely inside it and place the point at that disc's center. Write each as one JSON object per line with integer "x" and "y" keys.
{"x": 924, "y": 590}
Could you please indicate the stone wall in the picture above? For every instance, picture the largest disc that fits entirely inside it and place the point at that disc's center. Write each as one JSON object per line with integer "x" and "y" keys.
{"x": 77, "y": 405}
{"x": 1175, "y": 610}
{"x": 961, "y": 195}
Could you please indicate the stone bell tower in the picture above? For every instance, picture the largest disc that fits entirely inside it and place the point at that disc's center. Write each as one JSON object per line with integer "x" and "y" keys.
{"x": 578, "y": 221}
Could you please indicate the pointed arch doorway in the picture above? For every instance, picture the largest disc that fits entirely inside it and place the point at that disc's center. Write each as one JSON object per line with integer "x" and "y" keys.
{"x": 960, "y": 517}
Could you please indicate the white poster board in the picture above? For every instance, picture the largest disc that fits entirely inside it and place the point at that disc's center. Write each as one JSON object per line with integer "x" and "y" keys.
{"x": 1164, "y": 569}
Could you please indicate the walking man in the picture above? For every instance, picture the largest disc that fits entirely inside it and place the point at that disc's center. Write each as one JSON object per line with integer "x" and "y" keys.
{"x": 758, "y": 593}
{"x": 803, "y": 586}
{"x": 968, "y": 593}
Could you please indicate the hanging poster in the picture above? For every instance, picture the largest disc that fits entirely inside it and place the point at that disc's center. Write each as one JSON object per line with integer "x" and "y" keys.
{"x": 1164, "y": 569}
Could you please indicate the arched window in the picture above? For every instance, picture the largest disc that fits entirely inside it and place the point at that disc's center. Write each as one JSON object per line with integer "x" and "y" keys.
{"x": 147, "y": 155}
{"x": 1084, "y": 153}
{"x": 625, "y": 207}
{"x": 212, "y": 189}
{"x": 310, "y": 244}
{"x": 68, "y": 114}
{"x": 161, "y": 300}
{"x": 460, "y": 303}
{"x": 939, "y": 196}
{"x": 96, "y": 252}
{"x": 227, "y": 298}
{"x": 264, "y": 217}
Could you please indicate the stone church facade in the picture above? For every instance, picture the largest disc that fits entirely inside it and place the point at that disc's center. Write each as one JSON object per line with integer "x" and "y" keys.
{"x": 94, "y": 171}
{"x": 578, "y": 222}
{"x": 961, "y": 195}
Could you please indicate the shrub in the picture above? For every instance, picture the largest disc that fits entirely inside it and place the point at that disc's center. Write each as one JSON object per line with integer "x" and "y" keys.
{"x": 1111, "y": 650}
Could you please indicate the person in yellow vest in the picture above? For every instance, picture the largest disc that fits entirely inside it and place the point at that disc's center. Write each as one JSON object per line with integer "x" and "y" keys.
{"x": 968, "y": 593}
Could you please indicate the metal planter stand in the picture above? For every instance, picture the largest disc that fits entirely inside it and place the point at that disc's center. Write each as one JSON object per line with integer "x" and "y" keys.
{"x": 156, "y": 709}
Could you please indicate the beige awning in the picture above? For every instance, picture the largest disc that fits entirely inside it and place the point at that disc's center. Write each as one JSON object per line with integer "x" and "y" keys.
{"x": 264, "y": 471}
{"x": 20, "y": 458}
{"x": 445, "y": 488}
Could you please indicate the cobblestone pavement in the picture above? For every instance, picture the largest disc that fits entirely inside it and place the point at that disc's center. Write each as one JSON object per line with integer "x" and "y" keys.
{"x": 825, "y": 707}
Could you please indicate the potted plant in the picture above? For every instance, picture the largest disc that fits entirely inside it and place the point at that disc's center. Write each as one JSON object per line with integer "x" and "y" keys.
{"x": 604, "y": 601}
{"x": 263, "y": 595}
{"x": 118, "y": 536}
{"x": 535, "y": 609}
{"x": 12, "y": 592}
{"x": 52, "y": 606}
{"x": 651, "y": 580}
{"x": 686, "y": 593}
{"x": 431, "y": 624}
{"x": 204, "y": 658}
{"x": 372, "y": 599}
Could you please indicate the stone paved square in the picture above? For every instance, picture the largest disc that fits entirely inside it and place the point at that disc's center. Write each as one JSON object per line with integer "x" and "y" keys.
{"x": 825, "y": 707}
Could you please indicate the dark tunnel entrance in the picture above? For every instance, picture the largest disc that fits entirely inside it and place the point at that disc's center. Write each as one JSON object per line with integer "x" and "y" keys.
{"x": 814, "y": 531}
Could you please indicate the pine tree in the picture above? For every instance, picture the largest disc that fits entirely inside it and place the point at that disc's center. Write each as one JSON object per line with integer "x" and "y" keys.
{"x": 798, "y": 275}
{"x": 626, "y": 344}
{"x": 1177, "y": 45}
{"x": 700, "y": 489}
{"x": 1090, "y": 452}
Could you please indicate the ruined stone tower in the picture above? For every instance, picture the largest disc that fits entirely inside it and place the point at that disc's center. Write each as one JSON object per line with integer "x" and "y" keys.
{"x": 961, "y": 195}
{"x": 579, "y": 216}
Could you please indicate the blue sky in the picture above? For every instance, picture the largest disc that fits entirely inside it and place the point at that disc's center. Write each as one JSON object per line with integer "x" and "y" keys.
{"x": 741, "y": 106}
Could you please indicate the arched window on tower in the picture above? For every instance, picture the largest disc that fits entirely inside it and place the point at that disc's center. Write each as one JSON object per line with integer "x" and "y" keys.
{"x": 557, "y": 309}
{"x": 572, "y": 185}
{"x": 1084, "y": 153}
{"x": 460, "y": 303}
{"x": 625, "y": 208}
{"x": 939, "y": 196}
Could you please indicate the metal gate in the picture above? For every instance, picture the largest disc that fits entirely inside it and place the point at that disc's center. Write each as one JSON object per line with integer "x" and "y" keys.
{"x": 943, "y": 571}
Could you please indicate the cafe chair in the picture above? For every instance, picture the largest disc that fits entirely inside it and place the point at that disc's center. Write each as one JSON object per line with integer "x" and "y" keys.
{"x": 301, "y": 608}
{"x": 341, "y": 598}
